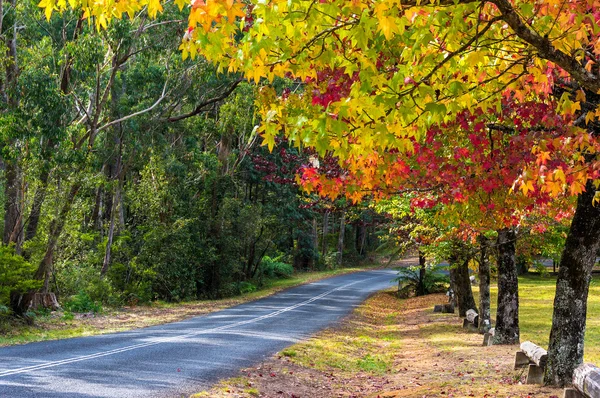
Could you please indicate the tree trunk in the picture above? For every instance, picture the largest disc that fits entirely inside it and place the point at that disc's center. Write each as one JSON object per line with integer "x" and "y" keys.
{"x": 459, "y": 268}
{"x": 484, "y": 286}
{"x": 97, "y": 212}
{"x": 565, "y": 350}
{"x": 13, "y": 205}
{"x": 421, "y": 285}
{"x": 111, "y": 229}
{"x": 507, "y": 314}
{"x": 325, "y": 232}
{"x": 57, "y": 225}
{"x": 361, "y": 237}
{"x": 340, "y": 246}
{"x": 453, "y": 285}
{"x": 36, "y": 206}
{"x": 315, "y": 233}
{"x": 466, "y": 301}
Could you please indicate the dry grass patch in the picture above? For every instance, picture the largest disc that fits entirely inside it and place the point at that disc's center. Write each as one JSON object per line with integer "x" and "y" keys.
{"x": 388, "y": 348}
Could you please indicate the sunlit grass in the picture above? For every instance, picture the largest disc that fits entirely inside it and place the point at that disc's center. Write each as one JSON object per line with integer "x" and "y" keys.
{"x": 536, "y": 300}
{"x": 368, "y": 342}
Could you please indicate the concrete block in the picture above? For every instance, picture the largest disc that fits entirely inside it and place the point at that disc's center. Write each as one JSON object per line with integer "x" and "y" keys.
{"x": 572, "y": 393}
{"x": 488, "y": 339}
{"x": 535, "y": 375}
{"x": 448, "y": 309}
{"x": 521, "y": 360}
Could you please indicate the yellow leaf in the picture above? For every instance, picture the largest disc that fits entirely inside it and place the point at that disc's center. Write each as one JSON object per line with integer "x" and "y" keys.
{"x": 527, "y": 186}
{"x": 559, "y": 175}
{"x": 184, "y": 52}
{"x": 180, "y": 4}
{"x": 576, "y": 188}
{"x": 48, "y": 6}
{"x": 589, "y": 117}
{"x": 596, "y": 198}
{"x": 554, "y": 187}
{"x": 388, "y": 27}
{"x": 154, "y": 7}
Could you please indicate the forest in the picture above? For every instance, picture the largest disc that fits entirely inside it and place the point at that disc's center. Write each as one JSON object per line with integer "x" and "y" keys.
{"x": 173, "y": 151}
{"x": 131, "y": 175}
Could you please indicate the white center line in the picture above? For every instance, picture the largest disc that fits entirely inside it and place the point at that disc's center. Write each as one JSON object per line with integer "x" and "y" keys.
{"x": 156, "y": 341}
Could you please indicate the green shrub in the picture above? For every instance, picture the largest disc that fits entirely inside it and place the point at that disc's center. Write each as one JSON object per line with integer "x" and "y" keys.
{"x": 435, "y": 280}
{"x": 540, "y": 268}
{"x": 331, "y": 260}
{"x": 247, "y": 287}
{"x": 68, "y": 316}
{"x": 16, "y": 276}
{"x": 273, "y": 268}
{"x": 81, "y": 302}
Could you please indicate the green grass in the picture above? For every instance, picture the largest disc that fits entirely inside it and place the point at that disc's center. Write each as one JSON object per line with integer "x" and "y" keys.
{"x": 21, "y": 334}
{"x": 536, "y": 298}
{"x": 367, "y": 342}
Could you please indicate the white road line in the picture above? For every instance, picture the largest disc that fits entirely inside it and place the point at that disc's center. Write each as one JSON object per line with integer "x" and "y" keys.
{"x": 52, "y": 364}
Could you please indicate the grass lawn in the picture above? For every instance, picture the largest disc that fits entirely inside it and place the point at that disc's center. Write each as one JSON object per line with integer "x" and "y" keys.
{"x": 52, "y": 326}
{"x": 536, "y": 298}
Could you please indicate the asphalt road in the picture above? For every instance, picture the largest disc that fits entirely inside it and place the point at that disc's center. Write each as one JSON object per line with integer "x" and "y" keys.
{"x": 181, "y": 358}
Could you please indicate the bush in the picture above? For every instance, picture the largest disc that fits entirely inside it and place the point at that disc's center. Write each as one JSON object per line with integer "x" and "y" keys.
{"x": 540, "y": 268}
{"x": 4, "y": 310}
{"x": 16, "y": 276}
{"x": 273, "y": 268}
{"x": 435, "y": 281}
{"x": 246, "y": 287}
{"x": 82, "y": 302}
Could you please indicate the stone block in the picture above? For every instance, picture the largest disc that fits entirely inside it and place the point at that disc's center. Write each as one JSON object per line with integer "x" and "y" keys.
{"x": 448, "y": 309}
{"x": 572, "y": 393}
{"x": 488, "y": 339}
{"x": 535, "y": 375}
{"x": 521, "y": 360}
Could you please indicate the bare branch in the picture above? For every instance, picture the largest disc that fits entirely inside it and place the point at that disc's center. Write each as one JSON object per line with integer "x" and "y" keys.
{"x": 158, "y": 101}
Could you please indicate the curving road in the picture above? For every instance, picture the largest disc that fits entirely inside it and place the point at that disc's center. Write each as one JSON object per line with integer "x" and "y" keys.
{"x": 181, "y": 358}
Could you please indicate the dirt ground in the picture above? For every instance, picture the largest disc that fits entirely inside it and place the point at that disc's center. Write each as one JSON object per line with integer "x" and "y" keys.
{"x": 409, "y": 351}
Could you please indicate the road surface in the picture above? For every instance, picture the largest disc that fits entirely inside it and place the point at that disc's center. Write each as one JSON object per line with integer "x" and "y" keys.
{"x": 181, "y": 358}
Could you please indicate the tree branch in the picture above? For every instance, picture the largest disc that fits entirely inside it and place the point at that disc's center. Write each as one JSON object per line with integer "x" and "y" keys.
{"x": 158, "y": 101}
{"x": 200, "y": 107}
{"x": 545, "y": 49}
